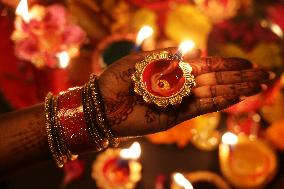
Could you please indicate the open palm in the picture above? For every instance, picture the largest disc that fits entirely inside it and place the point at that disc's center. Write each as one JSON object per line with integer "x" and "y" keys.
{"x": 219, "y": 83}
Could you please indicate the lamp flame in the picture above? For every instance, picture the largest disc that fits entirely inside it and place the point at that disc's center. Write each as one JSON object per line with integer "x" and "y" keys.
{"x": 133, "y": 152}
{"x": 276, "y": 29}
{"x": 63, "y": 58}
{"x": 186, "y": 46}
{"x": 182, "y": 181}
{"x": 22, "y": 10}
{"x": 229, "y": 138}
{"x": 144, "y": 33}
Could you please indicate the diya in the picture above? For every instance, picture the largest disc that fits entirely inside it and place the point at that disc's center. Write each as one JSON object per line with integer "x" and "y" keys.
{"x": 205, "y": 135}
{"x": 251, "y": 161}
{"x": 163, "y": 78}
{"x": 110, "y": 49}
{"x": 112, "y": 169}
{"x": 118, "y": 45}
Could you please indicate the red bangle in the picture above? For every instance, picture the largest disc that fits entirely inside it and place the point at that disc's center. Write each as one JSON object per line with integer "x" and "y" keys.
{"x": 72, "y": 120}
{"x": 76, "y": 122}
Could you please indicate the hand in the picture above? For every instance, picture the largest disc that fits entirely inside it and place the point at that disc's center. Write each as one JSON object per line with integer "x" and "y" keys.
{"x": 220, "y": 82}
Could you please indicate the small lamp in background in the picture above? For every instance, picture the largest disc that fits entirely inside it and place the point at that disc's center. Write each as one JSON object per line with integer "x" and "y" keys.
{"x": 251, "y": 161}
{"x": 118, "y": 168}
{"x": 143, "y": 35}
{"x": 118, "y": 45}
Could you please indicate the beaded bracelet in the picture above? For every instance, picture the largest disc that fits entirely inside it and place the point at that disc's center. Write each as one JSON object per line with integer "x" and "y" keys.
{"x": 89, "y": 113}
{"x": 52, "y": 145}
{"x": 96, "y": 102}
{"x": 59, "y": 150}
{"x": 76, "y": 122}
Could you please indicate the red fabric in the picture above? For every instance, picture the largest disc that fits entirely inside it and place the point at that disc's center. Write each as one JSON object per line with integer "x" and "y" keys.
{"x": 16, "y": 78}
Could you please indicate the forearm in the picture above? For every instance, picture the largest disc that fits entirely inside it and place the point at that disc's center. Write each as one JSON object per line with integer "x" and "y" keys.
{"x": 22, "y": 138}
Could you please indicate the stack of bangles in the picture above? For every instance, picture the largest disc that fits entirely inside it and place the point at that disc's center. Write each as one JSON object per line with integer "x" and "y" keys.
{"x": 76, "y": 122}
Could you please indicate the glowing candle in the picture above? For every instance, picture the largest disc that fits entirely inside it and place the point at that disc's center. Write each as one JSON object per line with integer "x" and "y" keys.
{"x": 63, "y": 58}
{"x": 22, "y": 10}
{"x": 183, "y": 48}
{"x": 144, "y": 33}
{"x": 182, "y": 181}
{"x": 229, "y": 138}
{"x": 275, "y": 28}
{"x": 133, "y": 152}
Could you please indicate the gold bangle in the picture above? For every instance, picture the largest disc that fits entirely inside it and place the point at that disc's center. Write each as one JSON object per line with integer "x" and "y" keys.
{"x": 58, "y": 147}
{"x": 54, "y": 130}
{"x": 96, "y": 103}
{"x": 93, "y": 115}
{"x": 93, "y": 130}
{"x": 52, "y": 145}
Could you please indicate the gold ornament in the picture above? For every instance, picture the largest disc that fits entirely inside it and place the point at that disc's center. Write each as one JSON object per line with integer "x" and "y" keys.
{"x": 145, "y": 89}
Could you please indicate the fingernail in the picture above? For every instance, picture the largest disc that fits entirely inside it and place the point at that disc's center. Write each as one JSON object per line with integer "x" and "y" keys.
{"x": 272, "y": 75}
{"x": 264, "y": 87}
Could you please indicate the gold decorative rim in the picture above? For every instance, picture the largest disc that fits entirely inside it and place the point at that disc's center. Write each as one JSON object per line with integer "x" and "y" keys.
{"x": 148, "y": 97}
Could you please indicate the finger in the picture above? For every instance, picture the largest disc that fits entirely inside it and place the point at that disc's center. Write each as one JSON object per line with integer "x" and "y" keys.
{"x": 206, "y": 105}
{"x": 240, "y": 89}
{"x": 216, "y": 64}
{"x": 190, "y": 108}
{"x": 230, "y": 77}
